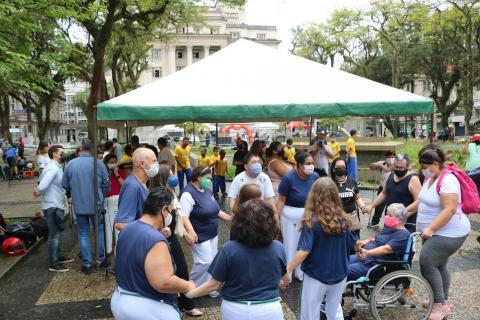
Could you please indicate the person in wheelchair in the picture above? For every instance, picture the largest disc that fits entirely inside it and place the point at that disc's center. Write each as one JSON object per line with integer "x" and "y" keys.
{"x": 389, "y": 244}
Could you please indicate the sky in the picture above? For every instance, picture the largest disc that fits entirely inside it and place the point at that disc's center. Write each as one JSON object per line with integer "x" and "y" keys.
{"x": 285, "y": 14}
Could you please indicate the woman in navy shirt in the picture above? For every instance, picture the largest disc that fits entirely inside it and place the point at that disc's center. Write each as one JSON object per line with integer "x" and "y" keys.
{"x": 293, "y": 191}
{"x": 147, "y": 286}
{"x": 323, "y": 252}
{"x": 198, "y": 204}
{"x": 249, "y": 269}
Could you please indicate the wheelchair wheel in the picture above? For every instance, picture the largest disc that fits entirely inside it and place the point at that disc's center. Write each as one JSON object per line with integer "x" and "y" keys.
{"x": 400, "y": 295}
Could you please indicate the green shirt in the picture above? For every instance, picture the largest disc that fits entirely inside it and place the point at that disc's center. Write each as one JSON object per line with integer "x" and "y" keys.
{"x": 473, "y": 159}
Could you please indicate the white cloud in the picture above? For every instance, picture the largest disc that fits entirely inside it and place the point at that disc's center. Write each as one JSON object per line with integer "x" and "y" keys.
{"x": 286, "y": 14}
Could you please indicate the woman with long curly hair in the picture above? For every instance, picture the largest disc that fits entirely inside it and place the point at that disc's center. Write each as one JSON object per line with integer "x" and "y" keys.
{"x": 248, "y": 269}
{"x": 323, "y": 251}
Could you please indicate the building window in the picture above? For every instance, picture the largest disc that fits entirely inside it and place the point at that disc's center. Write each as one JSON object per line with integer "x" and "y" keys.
{"x": 179, "y": 54}
{"x": 156, "y": 54}
{"x": 196, "y": 54}
{"x": 215, "y": 30}
{"x": 179, "y": 68}
{"x": 261, "y": 36}
{"x": 235, "y": 35}
{"x": 157, "y": 72}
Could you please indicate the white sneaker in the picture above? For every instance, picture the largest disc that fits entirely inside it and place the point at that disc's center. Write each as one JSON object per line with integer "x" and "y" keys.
{"x": 214, "y": 294}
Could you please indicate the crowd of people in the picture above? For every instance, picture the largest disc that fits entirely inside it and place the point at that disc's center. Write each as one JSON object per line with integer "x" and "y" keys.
{"x": 294, "y": 213}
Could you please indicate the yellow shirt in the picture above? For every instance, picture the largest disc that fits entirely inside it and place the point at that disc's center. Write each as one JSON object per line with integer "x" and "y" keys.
{"x": 335, "y": 146}
{"x": 221, "y": 167}
{"x": 290, "y": 154}
{"x": 351, "y": 145}
{"x": 183, "y": 156}
{"x": 126, "y": 159}
{"x": 213, "y": 159}
{"x": 203, "y": 161}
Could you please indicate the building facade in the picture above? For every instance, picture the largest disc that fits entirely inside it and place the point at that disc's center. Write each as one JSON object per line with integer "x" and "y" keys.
{"x": 185, "y": 46}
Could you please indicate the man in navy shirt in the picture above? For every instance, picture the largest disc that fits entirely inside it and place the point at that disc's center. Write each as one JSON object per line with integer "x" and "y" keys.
{"x": 134, "y": 190}
{"x": 389, "y": 244}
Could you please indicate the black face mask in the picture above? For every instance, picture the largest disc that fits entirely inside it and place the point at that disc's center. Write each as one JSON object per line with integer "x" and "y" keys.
{"x": 340, "y": 172}
{"x": 63, "y": 158}
{"x": 477, "y": 142}
{"x": 281, "y": 153}
{"x": 400, "y": 173}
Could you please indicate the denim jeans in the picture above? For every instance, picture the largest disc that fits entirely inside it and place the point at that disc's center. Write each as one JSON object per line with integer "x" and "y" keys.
{"x": 83, "y": 226}
{"x": 181, "y": 174}
{"x": 220, "y": 185}
{"x": 352, "y": 169}
{"x": 53, "y": 235}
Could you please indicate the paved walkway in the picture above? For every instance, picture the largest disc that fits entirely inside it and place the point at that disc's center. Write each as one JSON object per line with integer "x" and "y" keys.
{"x": 30, "y": 291}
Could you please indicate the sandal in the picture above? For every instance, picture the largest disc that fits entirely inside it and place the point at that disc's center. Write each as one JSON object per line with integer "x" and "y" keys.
{"x": 193, "y": 313}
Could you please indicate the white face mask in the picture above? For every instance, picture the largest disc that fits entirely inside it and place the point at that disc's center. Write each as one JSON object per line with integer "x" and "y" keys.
{"x": 152, "y": 171}
{"x": 390, "y": 160}
{"x": 168, "y": 220}
{"x": 309, "y": 169}
{"x": 112, "y": 165}
{"x": 427, "y": 173}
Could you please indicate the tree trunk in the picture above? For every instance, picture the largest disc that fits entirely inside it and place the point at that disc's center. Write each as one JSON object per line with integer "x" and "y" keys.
{"x": 5, "y": 118}
{"x": 115, "y": 79}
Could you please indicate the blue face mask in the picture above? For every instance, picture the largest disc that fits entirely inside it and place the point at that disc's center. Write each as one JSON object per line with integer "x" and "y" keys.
{"x": 173, "y": 181}
{"x": 256, "y": 169}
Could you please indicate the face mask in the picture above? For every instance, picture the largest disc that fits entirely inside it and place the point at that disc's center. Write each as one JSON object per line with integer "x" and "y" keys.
{"x": 477, "y": 142}
{"x": 289, "y": 145}
{"x": 168, "y": 220}
{"x": 184, "y": 145}
{"x": 390, "y": 160}
{"x": 173, "y": 181}
{"x": 256, "y": 169}
{"x": 427, "y": 173}
{"x": 205, "y": 182}
{"x": 152, "y": 171}
{"x": 112, "y": 165}
{"x": 340, "y": 172}
{"x": 281, "y": 153}
{"x": 400, "y": 173}
{"x": 309, "y": 168}
{"x": 390, "y": 222}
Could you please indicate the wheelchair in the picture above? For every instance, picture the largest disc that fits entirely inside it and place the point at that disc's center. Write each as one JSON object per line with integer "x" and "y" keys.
{"x": 391, "y": 290}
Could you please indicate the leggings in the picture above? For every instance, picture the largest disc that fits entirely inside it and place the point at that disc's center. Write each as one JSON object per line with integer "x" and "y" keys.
{"x": 433, "y": 263}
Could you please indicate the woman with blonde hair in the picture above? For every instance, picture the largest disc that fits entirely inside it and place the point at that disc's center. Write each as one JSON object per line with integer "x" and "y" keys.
{"x": 249, "y": 191}
{"x": 323, "y": 251}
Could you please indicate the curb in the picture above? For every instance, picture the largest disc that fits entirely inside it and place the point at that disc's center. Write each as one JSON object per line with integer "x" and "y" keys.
{"x": 21, "y": 258}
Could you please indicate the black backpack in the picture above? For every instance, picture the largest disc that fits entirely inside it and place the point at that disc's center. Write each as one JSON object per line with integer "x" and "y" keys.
{"x": 40, "y": 227}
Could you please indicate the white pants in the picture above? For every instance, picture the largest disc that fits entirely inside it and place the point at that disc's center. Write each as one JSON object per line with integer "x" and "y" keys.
{"x": 265, "y": 311}
{"x": 128, "y": 307}
{"x": 111, "y": 207}
{"x": 203, "y": 254}
{"x": 313, "y": 292}
{"x": 290, "y": 224}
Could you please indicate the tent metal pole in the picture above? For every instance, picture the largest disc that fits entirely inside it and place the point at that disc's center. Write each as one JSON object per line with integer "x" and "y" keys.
{"x": 216, "y": 134}
{"x": 95, "y": 185}
{"x": 310, "y": 130}
{"x": 193, "y": 122}
{"x": 126, "y": 132}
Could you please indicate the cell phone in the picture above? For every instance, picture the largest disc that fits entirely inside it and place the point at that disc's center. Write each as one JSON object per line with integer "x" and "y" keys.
{"x": 320, "y": 143}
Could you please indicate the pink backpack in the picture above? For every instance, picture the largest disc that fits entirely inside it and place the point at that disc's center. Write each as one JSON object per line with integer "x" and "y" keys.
{"x": 470, "y": 201}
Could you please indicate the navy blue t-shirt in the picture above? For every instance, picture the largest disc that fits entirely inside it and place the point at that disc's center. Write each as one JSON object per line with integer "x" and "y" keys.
{"x": 295, "y": 189}
{"x": 328, "y": 260}
{"x": 249, "y": 273}
{"x": 134, "y": 243}
{"x": 131, "y": 199}
{"x": 395, "y": 238}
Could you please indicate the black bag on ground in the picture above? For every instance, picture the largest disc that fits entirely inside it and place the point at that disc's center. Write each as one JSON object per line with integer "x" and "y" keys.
{"x": 22, "y": 230}
{"x": 40, "y": 227}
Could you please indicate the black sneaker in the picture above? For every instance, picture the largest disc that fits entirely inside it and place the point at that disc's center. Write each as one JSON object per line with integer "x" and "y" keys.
{"x": 64, "y": 259}
{"x": 224, "y": 195}
{"x": 86, "y": 270}
{"x": 374, "y": 225}
{"x": 59, "y": 267}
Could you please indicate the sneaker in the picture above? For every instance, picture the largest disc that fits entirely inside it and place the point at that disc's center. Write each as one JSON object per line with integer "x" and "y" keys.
{"x": 439, "y": 312}
{"x": 224, "y": 195}
{"x": 86, "y": 270}
{"x": 214, "y": 294}
{"x": 65, "y": 259}
{"x": 215, "y": 195}
{"x": 59, "y": 267}
{"x": 374, "y": 225}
